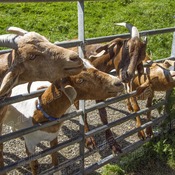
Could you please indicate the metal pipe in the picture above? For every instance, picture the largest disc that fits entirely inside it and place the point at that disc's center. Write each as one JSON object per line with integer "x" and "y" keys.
{"x": 35, "y": 156}
{"x": 102, "y": 39}
{"x": 81, "y": 50}
{"x": 36, "y": 127}
{"x": 123, "y": 119}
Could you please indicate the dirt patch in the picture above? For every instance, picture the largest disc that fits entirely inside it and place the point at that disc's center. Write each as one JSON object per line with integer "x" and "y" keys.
{"x": 14, "y": 150}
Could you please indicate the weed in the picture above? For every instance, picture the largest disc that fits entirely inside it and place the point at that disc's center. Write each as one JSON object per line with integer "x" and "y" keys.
{"x": 112, "y": 170}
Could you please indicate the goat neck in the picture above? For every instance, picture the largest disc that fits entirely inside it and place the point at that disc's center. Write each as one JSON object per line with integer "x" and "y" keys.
{"x": 54, "y": 102}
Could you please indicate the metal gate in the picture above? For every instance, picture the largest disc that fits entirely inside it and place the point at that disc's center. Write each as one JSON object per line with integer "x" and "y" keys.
{"x": 80, "y": 138}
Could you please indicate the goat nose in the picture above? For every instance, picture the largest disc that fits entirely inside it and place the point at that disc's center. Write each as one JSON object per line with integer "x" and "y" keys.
{"x": 118, "y": 84}
{"x": 75, "y": 58}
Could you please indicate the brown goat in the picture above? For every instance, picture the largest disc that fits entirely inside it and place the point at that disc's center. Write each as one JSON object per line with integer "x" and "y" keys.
{"x": 124, "y": 55}
{"x": 89, "y": 84}
{"x": 33, "y": 58}
{"x": 157, "y": 77}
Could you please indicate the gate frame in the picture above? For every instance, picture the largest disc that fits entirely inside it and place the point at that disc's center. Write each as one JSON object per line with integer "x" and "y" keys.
{"x": 81, "y": 42}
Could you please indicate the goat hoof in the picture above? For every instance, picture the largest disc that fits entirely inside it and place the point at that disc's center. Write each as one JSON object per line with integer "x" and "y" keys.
{"x": 116, "y": 149}
{"x": 149, "y": 132}
{"x": 141, "y": 135}
{"x": 90, "y": 143}
{"x": 130, "y": 109}
{"x": 114, "y": 146}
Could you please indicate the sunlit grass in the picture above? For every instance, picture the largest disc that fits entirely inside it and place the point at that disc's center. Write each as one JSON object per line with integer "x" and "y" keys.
{"x": 58, "y": 21}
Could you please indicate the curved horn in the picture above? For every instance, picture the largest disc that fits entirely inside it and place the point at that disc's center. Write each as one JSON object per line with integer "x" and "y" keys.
{"x": 132, "y": 29}
{"x": 17, "y": 30}
{"x": 9, "y": 40}
{"x": 98, "y": 54}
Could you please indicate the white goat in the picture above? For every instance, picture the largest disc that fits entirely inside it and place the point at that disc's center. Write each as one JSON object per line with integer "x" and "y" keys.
{"x": 89, "y": 84}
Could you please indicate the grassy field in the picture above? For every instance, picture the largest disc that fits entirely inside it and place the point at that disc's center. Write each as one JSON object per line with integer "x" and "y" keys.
{"x": 58, "y": 21}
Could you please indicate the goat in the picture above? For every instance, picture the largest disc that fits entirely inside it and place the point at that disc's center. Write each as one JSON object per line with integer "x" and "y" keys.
{"x": 157, "y": 77}
{"x": 33, "y": 58}
{"x": 89, "y": 84}
{"x": 124, "y": 55}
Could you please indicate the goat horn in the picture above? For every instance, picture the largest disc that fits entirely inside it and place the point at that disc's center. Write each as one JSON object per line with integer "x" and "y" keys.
{"x": 97, "y": 55}
{"x": 132, "y": 29}
{"x": 9, "y": 40}
{"x": 28, "y": 87}
{"x": 17, "y": 30}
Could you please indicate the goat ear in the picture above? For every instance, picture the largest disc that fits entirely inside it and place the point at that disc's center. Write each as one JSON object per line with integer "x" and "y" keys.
{"x": 93, "y": 57}
{"x": 103, "y": 50}
{"x": 71, "y": 93}
{"x": 169, "y": 63}
{"x": 104, "y": 47}
{"x": 9, "y": 81}
{"x": 100, "y": 51}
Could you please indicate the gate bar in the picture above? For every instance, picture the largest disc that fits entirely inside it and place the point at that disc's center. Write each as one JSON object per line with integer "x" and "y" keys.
{"x": 129, "y": 133}
{"x": 124, "y": 119}
{"x": 64, "y": 117}
{"x": 43, "y": 153}
{"x": 81, "y": 37}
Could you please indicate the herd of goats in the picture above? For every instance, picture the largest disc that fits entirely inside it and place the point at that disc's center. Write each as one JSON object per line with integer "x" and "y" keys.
{"x": 35, "y": 63}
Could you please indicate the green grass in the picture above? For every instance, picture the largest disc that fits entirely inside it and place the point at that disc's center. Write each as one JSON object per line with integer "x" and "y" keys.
{"x": 154, "y": 158}
{"x": 58, "y": 21}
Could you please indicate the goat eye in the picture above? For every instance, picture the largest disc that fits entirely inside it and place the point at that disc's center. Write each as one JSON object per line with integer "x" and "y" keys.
{"x": 32, "y": 57}
{"x": 98, "y": 76}
{"x": 79, "y": 80}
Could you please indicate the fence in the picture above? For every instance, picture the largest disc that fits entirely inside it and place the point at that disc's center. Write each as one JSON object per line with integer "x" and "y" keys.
{"x": 83, "y": 169}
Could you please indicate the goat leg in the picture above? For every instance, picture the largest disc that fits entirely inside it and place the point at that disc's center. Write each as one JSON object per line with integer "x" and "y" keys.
{"x": 141, "y": 134}
{"x": 1, "y": 151}
{"x": 90, "y": 141}
{"x": 109, "y": 136}
{"x": 130, "y": 108}
{"x": 3, "y": 110}
{"x": 33, "y": 163}
{"x": 149, "y": 131}
{"x": 1, "y": 155}
{"x": 114, "y": 146}
{"x": 54, "y": 155}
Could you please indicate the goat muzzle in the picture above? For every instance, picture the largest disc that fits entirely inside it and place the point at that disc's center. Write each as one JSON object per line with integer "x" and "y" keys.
{"x": 125, "y": 76}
